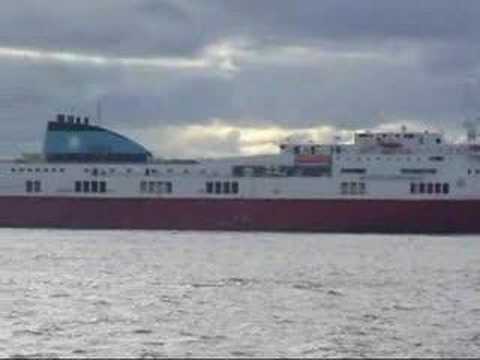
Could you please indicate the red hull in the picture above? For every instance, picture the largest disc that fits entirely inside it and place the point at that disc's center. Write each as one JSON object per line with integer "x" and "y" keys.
{"x": 387, "y": 216}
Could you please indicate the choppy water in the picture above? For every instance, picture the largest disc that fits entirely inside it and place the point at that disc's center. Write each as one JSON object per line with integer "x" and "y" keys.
{"x": 151, "y": 294}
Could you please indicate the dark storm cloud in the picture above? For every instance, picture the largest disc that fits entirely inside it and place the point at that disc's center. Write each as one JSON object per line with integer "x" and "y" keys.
{"x": 153, "y": 27}
{"x": 249, "y": 62}
{"x": 366, "y": 19}
{"x": 120, "y": 27}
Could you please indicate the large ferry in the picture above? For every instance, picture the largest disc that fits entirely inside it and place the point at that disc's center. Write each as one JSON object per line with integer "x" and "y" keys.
{"x": 91, "y": 177}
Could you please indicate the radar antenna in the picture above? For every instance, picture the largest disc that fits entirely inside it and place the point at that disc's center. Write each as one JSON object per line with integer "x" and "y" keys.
{"x": 472, "y": 129}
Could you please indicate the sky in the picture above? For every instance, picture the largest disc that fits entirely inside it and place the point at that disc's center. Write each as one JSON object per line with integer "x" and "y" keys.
{"x": 207, "y": 78}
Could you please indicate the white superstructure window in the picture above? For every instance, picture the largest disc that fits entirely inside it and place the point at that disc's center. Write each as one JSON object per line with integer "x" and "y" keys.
{"x": 219, "y": 187}
{"x": 429, "y": 188}
{"x": 94, "y": 187}
{"x": 33, "y": 186}
{"x": 156, "y": 187}
{"x": 353, "y": 188}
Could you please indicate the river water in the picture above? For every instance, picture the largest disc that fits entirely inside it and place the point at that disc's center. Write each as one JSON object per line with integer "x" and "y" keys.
{"x": 154, "y": 294}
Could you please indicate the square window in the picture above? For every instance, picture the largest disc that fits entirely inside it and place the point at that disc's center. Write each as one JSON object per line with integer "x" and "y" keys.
{"x": 37, "y": 186}
{"x": 86, "y": 186}
{"x": 152, "y": 186}
{"x": 446, "y": 188}
{"x": 430, "y": 188}
{"x": 235, "y": 187}
{"x": 94, "y": 186}
{"x": 160, "y": 188}
{"x": 29, "y": 186}
{"x": 226, "y": 187}
{"x": 361, "y": 188}
{"x": 413, "y": 188}
{"x": 353, "y": 188}
{"x": 422, "y": 188}
{"x": 209, "y": 187}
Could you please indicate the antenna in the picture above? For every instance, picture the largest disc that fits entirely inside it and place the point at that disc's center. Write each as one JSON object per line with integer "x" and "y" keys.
{"x": 381, "y": 117}
{"x": 470, "y": 108}
{"x": 99, "y": 112}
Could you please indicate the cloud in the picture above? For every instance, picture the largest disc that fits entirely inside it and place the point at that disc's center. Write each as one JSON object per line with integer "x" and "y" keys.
{"x": 219, "y": 138}
{"x": 98, "y": 60}
{"x": 159, "y": 64}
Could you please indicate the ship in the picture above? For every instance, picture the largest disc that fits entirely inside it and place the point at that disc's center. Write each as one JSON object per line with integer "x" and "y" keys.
{"x": 90, "y": 177}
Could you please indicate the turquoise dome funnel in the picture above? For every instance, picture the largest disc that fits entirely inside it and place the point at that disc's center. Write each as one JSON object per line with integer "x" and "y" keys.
{"x": 73, "y": 139}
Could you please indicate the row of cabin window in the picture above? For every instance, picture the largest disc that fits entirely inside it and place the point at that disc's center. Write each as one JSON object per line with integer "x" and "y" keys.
{"x": 33, "y": 186}
{"x": 353, "y": 171}
{"x": 280, "y": 171}
{"x": 218, "y": 187}
{"x": 403, "y": 171}
{"x": 90, "y": 187}
{"x": 96, "y": 171}
{"x": 37, "y": 170}
{"x": 152, "y": 172}
{"x": 104, "y": 172}
{"x": 389, "y": 158}
{"x": 148, "y": 172}
{"x": 155, "y": 172}
{"x": 418, "y": 171}
{"x": 406, "y": 136}
{"x": 307, "y": 150}
{"x": 353, "y": 188}
{"x": 370, "y": 135}
{"x": 429, "y": 188}
{"x": 156, "y": 187}
{"x": 472, "y": 172}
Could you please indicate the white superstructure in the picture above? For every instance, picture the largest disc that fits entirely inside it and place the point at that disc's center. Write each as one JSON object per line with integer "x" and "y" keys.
{"x": 386, "y": 165}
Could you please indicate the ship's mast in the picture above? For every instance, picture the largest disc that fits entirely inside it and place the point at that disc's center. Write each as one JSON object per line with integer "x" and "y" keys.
{"x": 99, "y": 112}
